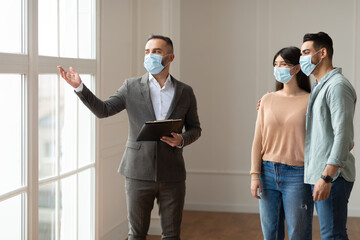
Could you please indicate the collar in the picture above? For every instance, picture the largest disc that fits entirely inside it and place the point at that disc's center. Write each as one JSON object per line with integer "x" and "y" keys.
{"x": 330, "y": 74}
{"x": 168, "y": 82}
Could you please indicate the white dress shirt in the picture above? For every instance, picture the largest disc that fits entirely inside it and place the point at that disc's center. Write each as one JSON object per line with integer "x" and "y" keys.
{"x": 161, "y": 97}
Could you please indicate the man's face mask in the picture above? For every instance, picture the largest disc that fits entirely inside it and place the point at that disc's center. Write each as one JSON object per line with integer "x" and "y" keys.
{"x": 305, "y": 64}
{"x": 152, "y": 63}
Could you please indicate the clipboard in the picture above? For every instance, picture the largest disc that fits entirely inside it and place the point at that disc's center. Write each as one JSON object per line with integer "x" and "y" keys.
{"x": 154, "y": 130}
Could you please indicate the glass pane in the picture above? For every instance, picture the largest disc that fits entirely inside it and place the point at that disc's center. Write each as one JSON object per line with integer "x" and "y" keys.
{"x": 11, "y": 26}
{"x": 47, "y": 125}
{"x": 47, "y": 212}
{"x": 68, "y": 116}
{"x": 68, "y": 28}
{"x": 68, "y": 208}
{"x": 86, "y": 205}
{"x": 12, "y": 218}
{"x": 86, "y": 129}
{"x": 86, "y": 28}
{"x": 10, "y": 132}
{"x": 48, "y": 27}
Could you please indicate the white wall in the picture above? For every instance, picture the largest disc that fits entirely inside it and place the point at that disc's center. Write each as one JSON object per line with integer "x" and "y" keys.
{"x": 223, "y": 49}
{"x": 115, "y": 66}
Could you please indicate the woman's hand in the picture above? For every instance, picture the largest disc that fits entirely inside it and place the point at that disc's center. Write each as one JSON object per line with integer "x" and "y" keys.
{"x": 255, "y": 186}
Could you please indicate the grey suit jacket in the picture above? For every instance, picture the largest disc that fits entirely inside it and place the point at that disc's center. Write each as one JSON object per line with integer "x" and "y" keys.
{"x": 154, "y": 160}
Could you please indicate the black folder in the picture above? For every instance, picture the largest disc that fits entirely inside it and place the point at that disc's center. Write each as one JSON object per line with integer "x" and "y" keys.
{"x": 154, "y": 130}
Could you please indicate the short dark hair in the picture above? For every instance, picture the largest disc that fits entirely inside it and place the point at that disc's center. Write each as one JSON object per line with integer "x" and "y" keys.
{"x": 320, "y": 40}
{"x": 166, "y": 39}
{"x": 291, "y": 55}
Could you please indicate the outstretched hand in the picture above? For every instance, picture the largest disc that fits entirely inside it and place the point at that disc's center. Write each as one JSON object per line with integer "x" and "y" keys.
{"x": 71, "y": 78}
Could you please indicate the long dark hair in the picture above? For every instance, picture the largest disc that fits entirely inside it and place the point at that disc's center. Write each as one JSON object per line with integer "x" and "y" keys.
{"x": 291, "y": 55}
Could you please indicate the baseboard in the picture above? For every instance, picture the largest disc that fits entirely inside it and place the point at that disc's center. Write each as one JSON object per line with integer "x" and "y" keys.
{"x": 354, "y": 212}
{"x": 119, "y": 232}
{"x": 241, "y": 208}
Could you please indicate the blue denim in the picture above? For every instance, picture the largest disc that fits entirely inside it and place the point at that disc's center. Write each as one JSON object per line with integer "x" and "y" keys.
{"x": 333, "y": 210}
{"x": 285, "y": 196}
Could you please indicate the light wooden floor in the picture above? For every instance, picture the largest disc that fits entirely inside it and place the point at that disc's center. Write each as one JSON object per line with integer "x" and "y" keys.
{"x": 237, "y": 226}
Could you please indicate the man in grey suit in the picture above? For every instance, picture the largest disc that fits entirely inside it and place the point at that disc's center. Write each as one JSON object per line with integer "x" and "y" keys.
{"x": 153, "y": 169}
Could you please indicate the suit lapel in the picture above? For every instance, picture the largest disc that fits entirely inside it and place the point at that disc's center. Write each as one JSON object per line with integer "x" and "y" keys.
{"x": 145, "y": 91}
{"x": 177, "y": 95}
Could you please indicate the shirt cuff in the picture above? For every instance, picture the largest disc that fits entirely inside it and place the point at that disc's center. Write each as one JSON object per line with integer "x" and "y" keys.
{"x": 79, "y": 88}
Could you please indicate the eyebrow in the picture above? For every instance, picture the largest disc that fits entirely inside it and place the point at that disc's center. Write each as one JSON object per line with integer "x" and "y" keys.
{"x": 153, "y": 49}
{"x": 303, "y": 51}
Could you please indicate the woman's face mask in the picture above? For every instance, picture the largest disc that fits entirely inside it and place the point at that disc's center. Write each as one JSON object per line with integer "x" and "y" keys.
{"x": 283, "y": 74}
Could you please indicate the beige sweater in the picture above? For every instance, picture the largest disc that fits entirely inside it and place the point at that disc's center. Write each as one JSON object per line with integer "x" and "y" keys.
{"x": 280, "y": 131}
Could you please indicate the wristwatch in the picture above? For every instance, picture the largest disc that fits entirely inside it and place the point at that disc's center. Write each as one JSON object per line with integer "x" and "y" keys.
{"x": 327, "y": 178}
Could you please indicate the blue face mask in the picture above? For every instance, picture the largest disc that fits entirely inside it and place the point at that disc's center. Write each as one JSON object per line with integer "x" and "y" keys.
{"x": 152, "y": 63}
{"x": 305, "y": 64}
{"x": 282, "y": 74}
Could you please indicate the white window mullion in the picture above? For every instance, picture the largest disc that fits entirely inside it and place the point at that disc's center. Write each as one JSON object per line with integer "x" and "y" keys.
{"x": 77, "y": 28}
{"x": 23, "y": 27}
{"x": 57, "y": 210}
{"x": 77, "y": 158}
{"x": 77, "y": 207}
{"x": 23, "y": 217}
{"x": 32, "y": 117}
{"x": 57, "y": 171}
{"x": 24, "y": 175}
{"x": 58, "y": 27}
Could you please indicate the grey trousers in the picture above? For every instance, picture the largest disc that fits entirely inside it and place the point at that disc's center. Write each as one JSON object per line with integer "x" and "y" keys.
{"x": 140, "y": 196}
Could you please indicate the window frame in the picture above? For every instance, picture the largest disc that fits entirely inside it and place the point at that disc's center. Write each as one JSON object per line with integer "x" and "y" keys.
{"x": 30, "y": 65}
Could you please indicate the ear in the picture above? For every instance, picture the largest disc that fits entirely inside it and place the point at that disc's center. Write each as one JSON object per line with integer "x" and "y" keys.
{"x": 296, "y": 69}
{"x": 324, "y": 53}
{"x": 171, "y": 57}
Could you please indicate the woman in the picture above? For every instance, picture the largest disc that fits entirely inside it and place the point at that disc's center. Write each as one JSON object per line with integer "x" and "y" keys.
{"x": 277, "y": 161}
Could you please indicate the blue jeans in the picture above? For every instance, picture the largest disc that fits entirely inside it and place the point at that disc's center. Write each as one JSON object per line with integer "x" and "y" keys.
{"x": 333, "y": 210}
{"x": 285, "y": 196}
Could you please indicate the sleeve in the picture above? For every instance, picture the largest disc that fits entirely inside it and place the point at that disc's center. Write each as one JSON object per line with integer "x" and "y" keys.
{"x": 114, "y": 104}
{"x": 256, "y": 155}
{"x": 341, "y": 101}
{"x": 192, "y": 123}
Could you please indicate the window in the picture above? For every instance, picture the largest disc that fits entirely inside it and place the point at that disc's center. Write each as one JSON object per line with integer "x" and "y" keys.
{"x": 66, "y": 161}
{"x": 12, "y": 22}
{"x": 67, "y": 28}
{"x": 12, "y": 159}
{"x": 47, "y": 157}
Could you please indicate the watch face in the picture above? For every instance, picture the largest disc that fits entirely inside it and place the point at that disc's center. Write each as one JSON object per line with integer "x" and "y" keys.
{"x": 327, "y": 179}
